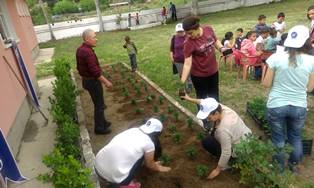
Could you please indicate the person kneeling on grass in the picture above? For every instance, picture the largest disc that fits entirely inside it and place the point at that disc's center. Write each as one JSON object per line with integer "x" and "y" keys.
{"x": 228, "y": 130}
{"x": 118, "y": 162}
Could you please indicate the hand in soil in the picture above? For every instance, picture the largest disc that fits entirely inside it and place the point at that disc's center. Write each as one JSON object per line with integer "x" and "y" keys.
{"x": 214, "y": 173}
{"x": 162, "y": 168}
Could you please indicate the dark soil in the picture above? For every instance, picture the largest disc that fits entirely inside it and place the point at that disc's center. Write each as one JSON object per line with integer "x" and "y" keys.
{"x": 123, "y": 114}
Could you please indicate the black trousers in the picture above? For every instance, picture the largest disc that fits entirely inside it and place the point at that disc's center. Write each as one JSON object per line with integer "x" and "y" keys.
{"x": 174, "y": 16}
{"x": 206, "y": 86}
{"x": 212, "y": 145}
{"x": 95, "y": 90}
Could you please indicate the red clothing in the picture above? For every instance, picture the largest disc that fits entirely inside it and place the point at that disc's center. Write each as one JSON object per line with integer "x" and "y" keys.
{"x": 87, "y": 62}
{"x": 202, "y": 51}
{"x": 248, "y": 47}
{"x": 163, "y": 11}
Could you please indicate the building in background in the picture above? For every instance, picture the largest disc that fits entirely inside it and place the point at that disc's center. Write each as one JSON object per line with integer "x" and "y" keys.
{"x": 15, "y": 108}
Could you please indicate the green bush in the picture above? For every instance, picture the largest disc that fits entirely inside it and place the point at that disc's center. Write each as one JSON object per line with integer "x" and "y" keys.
{"x": 254, "y": 160}
{"x": 37, "y": 16}
{"x": 65, "y": 6}
{"x": 66, "y": 171}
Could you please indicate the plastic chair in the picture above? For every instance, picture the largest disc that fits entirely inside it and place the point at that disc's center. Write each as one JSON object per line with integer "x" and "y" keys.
{"x": 227, "y": 58}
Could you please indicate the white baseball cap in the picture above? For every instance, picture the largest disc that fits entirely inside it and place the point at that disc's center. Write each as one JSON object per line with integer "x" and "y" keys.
{"x": 297, "y": 36}
{"x": 206, "y": 107}
{"x": 152, "y": 125}
{"x": 179, "y": 27}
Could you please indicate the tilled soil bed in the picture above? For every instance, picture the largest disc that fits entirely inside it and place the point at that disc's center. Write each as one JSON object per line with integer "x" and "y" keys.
{"x": 129, "y": 103}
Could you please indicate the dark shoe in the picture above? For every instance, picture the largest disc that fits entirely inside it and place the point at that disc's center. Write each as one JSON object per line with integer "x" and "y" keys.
{"x": 104, "y": 131}
{"x": 108, "y": 124}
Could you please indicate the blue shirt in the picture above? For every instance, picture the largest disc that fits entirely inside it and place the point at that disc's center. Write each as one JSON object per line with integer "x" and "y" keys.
{"x": 289, "y": 83}
{"x": 271, "y": 43}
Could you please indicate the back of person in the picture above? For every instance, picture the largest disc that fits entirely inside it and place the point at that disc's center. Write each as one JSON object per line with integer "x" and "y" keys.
{"x": 289, "y": 83}
{"x": 130, "y": 48}
{"x": 177, "y": 44}
{"x": 114, "y": 161}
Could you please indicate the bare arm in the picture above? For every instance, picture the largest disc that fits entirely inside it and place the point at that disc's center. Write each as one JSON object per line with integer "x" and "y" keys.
{"x": 188, "y": 98}
{"x": 105, "y": 81}
{"x": 218, "y": 45}
{"x": 310, "y": 84}
{"x": 154, "y": 165}
{"x": 186, "y": 68}
{"x": 268, "y": 80}
{"x": 171, "y": 57}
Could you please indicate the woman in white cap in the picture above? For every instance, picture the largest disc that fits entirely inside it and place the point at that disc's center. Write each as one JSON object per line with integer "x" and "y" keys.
{"x": 228, "y": 130}
{"x": 290, "y": 75}
{"x": 177, "y": 55}
{"x": 122, "y": 157}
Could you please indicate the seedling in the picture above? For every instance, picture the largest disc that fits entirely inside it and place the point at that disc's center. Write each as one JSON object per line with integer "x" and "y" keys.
{"x": 170, "y": 109}
{"x": 176, "y": 116}
{"x": 163, "y": 117}
{"x": 165, "y": 159}
{"x": 201, "y": 170}
{"x": 172, "y": 128}
{"x": 191, "y": 152}
{"x": 155, "y": 108}
{"x": 130, "y": 79}
{"x": 145, "y": 88}
{"x": 138, "y": 110}
{"x": 177, "y": 137}
{"x": 161, "y": 99}
{"x": 138, "y": 92}
{"x": 200, "y": 136}
{"x": 190, "y": 123}
{"x": 133, "y": 102}
{"x": 149, "y": 99}
{"x": 126, "y": 93}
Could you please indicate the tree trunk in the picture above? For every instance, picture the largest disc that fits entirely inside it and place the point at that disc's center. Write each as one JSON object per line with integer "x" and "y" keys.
{"x": 194, "y": 8}
{"x": 101, "y": 24}
{"x": 43, "y": 8}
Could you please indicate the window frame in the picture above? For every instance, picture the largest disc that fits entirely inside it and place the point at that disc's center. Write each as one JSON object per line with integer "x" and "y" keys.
{"x": 7, "y": 26}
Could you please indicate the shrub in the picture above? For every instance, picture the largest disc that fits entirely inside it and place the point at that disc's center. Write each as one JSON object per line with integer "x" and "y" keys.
{"x": 67, "y": 171}
{"x": 201, "y": 170}
{"x": 254, "y": 160}
{"x": 65, "y": 6}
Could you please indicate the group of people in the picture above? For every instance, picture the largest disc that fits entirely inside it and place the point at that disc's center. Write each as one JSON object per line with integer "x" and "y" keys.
{"x": 290, "y": 75}
{"x": 173, "y": 12}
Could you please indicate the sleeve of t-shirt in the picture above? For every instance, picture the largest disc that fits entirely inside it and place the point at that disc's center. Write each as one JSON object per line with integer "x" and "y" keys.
{"x": 149, "y": 146}
{"x": 271, "y": 61}
{"x": 212, "y": 33}
{"x": 172, "y": 44}
{"x": 187, "y": 49}
{"x": 226, "y": 147}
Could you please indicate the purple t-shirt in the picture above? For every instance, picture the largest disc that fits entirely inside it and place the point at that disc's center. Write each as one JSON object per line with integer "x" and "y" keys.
{"x": 176, "y": 47}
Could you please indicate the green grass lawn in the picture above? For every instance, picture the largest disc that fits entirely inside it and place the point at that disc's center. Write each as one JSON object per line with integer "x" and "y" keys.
{"x": 153, "y": 52}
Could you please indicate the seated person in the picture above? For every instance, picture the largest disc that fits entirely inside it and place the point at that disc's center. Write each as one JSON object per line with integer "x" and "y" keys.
{"x": 247, "y": 46}
{"x": 228, "y": 43}
{"x": 272, "y": 41}
{"x": 229, "y": 129}
{"x": 260, "y": 40}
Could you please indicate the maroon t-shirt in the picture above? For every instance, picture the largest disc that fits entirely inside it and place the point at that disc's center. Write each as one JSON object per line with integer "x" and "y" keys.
{"x": 87, "y": 62}
{"x": 202, "y": 50}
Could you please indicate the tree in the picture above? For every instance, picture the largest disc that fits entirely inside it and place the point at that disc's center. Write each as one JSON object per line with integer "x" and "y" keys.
{"x": 47, "y": 20}
{"x": 101, "y": 24}
{"x": 194, "y": 7}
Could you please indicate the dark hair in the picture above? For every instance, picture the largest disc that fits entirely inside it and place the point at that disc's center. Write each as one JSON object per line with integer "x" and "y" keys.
{"x": 228, "y": 36}
{"x": 191, "y": 22}
{"x": 218, "y": 109}
{"x": 240, "y": 30}
{"x": 155, "y": 139}
{"x": 281, "y": 14}
{"x": 264, "y": 30}
{"x": 249, "y": 34}
{"x": 306, "y": 49}
{"x": 127, "y": 38}
{"x": 272, "y": 32}
{"x": 283, "y": 39}
{"x": 260, "y": 17}
{"x": 310, "y": 8}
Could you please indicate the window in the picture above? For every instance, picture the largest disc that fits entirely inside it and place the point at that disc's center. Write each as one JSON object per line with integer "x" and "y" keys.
{"x": 6, "y": 29}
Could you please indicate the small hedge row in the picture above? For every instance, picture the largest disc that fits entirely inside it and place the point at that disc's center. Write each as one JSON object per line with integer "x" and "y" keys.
{"x": 64, "y": 160}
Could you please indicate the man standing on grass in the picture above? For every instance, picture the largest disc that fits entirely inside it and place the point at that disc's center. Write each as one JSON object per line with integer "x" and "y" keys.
{"x": 92, "y": 78}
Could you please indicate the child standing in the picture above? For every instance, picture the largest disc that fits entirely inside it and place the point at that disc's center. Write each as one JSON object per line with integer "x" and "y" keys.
{"x": 239, "y": 39}
{"x": 132, "y": 51}
{"x": 261, "y": 24}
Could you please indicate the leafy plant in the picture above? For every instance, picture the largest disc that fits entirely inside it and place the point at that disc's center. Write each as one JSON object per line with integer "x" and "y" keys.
{"x": 254, "y": 160}
{"x": 133, "y": 102}
{"x": 126, "y": 93}
{"x": 165, "y": 159}
{"x": 201, "y": 170}
{"x": 155, "y": 108}
{"x": 170, "y": 109}
{"x": 161, "y": 99}
{"x": 138, "y": 110}
{"x": 149, "y": 99}
{"x": 138, "y": 92}
{"x": 190, "y": 123}
{"x": 176, "y": 116}
{"x": 258, "y": 107}
{"x": 172, "y": 128}
{"x": 200, "y": 136}
{"x": 163, "y": 117}
{"x": 191, "y": 152}
{"x": 177, "y": 137}
{"x": 67, "y": 171}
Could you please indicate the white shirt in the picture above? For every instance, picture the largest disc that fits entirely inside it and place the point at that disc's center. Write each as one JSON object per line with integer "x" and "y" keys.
{"x": 279, "y": 27}
{"x": 114, "y": 161}
{"x": 259, "y": 39}
{"x": 226, "y": 43}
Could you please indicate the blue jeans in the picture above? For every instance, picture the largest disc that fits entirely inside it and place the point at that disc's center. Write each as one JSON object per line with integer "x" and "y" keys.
{"x": 286, "y": 122}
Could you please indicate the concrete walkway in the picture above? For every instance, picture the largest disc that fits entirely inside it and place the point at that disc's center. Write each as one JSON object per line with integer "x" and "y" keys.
{"x": 38, "y": 140}
{"x": 44, "y": 56}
